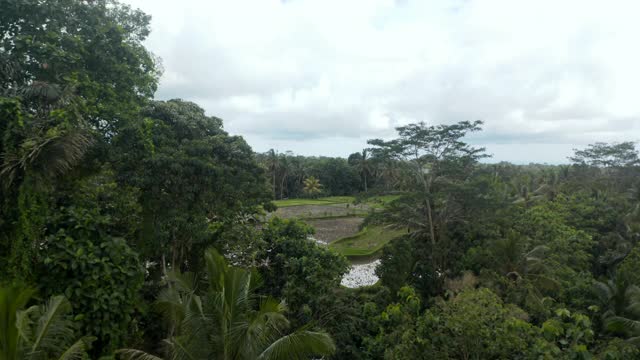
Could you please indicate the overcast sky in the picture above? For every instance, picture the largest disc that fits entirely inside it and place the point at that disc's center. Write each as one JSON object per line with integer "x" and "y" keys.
{"x": 321, "y": 77}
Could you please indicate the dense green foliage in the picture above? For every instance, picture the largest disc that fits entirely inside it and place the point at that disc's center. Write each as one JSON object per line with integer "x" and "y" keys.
{"x": 100, "y": 275}
{"x": 298, "y": 270}
{"x": 193, "y": 179}
{"x": 360, "y": 173}
{"x": 40, "y": 331}
{"x": 141, "y": 220}
{"x": 227, "y": 320}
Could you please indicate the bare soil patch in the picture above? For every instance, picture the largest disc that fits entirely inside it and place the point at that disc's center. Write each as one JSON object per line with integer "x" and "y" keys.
{"x": 320, "y": 211}
{"x": 329, "y": 230}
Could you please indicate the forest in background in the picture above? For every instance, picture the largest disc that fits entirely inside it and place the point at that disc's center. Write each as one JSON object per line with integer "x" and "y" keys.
{"x": 137, "y": 228}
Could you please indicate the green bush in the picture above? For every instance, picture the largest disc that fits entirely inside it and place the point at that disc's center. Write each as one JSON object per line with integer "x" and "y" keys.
{"x": 99, "y": 274}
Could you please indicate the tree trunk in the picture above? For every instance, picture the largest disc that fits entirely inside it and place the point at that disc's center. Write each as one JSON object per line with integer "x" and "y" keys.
{"x": 274, "y": 183}
{"x": 284, "y": 178}
{"x": 431, "y": 227}
{"x": 365, "y": 182}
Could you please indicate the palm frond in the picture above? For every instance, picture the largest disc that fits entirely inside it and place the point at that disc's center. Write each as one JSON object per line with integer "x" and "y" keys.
{"x": 216, "y": 268}
{"x": 545, "y": 283}
{"x": 24, "y": 322}
{"x": 263, "y": 327}
{"x": 77, "y": 351}
{"x": 537, "y": 252}
{"x": 622, "y": 325}
{"x": 633, "y": 308}
{"x": 182, "y": 281}
{"x": 132, "y": 354}
{"x": 603, "y": 291}
{"x": 634, "y": 340}
{"x": 632, "y": 292}
{"x": 53, "y": 331}
{"x": 13, "y": 299}
{"x": 50, "y": 154}
{"x": 182, "y": 349}
{"x": 299, "y": 345}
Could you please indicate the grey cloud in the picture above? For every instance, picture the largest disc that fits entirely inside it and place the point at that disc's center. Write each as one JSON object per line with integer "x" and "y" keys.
{"x": 286, "y": 73}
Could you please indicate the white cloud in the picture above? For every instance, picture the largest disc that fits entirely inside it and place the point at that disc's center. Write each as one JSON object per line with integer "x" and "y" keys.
{"x": 323, "y": 76}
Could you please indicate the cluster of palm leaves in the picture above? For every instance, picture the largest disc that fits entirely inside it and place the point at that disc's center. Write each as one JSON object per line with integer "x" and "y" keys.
{"x": 37, "y": 332}
{"x": 49, "y": 134}
{"x": 525, "y": 267}
{"x": 529, "y": 188}
{"x": 312, "y": 186}
{"x": 621, "y": 301}
{"x": 228, "y": 320}
{"x": 361, "y": 161}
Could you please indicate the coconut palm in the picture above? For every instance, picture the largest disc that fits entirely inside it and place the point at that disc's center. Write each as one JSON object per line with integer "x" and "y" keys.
{"x": 525, "y": 191}
{"x": 551, "y": 184}
{"x": 361, "y": 163}
{"x": 526, "y": 268}
{"x": 621, "y": 304}
{"x": 273, "y": 166}
{"x": 37, "y": 332}
{"x": 312, "y": 186}
{"x": 229, "y": 321}
{"x": 632, "y": 219}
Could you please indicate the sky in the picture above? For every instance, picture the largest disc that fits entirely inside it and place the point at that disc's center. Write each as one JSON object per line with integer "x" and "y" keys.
{"x": 321, "y": 77}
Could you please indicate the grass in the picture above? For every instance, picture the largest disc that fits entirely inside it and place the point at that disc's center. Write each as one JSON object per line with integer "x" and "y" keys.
{"x": 331, "y": 200}
{"x": 328, "y": 217}
{"x": 379, "y": 202}
{"x": 367, "y": 242}
{"x": 376, "y": 202}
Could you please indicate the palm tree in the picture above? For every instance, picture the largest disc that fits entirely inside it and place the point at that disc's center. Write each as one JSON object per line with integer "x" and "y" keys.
{"x": 312, "y": 186}
{"x": 551, "y": 184}
{"x": 38, "y": 332}
{"x": 621, "y": 302}
{"x": 524, "y": 192}
{"x": 632, "y": 219}
{"x": 53, "y": 140}
{"x": 525, "y": 268}
{"x": 229, "y": 321}
{"x": 284, "y": 166}
{"x": 273, "y": 166}
{"x": 361, "y": 163}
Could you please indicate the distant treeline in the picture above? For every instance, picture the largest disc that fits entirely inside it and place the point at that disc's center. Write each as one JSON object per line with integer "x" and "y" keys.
{"x": 360, "y": 172}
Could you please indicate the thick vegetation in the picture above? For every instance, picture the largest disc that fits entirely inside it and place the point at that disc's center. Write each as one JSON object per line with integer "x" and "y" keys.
{"x": 137, "y": 228}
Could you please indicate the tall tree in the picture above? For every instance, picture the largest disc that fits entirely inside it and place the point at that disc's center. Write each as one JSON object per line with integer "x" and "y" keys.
{"x": 94, "y": 45}
{"x": 605, "y": 155}
{"x": 273, "y": 167}
{"x": 44, "y": 136}
{"x": 620, "y": 302}
{"x": 441, "y": 163}
{"x": 193, "y": 178}
{"x": 360, "y": 161}
{"x": 73, "y": 74}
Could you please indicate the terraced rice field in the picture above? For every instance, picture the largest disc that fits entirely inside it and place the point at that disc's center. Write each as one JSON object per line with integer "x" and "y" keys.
{"x": 330, "y": 230}
{"x": 322, "y": 211}
{"x": 367, "y": 242}
{"x": 337, "y": 222}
